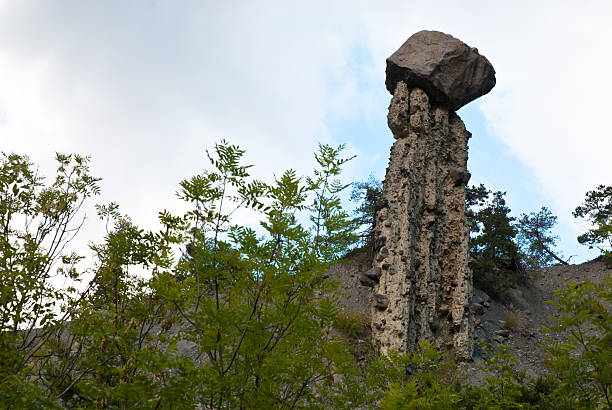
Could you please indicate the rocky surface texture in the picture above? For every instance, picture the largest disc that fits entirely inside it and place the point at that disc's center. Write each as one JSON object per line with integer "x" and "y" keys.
{"x": 354, "y": 286}
{"x": 449, "y": 71}
{"x": 518, "y": 323}
{"x": 422, "y": 286}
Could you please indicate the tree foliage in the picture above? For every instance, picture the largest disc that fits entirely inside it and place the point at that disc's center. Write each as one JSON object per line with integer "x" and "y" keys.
{"x": 535, "y": 239}
{"x": 205, "y": 312}
{"x": 253, "y": 305}
{"x": 116, "y": 351}
{"x": 368, "y": 194}
{"x": 583, "y": 356}
{"x": 238, "y": 318}
{"x": 492, "y": 241}
{"x": 597, "y": 210}
{"x": 37, "y": 221}
{"x": 493, "y": 231}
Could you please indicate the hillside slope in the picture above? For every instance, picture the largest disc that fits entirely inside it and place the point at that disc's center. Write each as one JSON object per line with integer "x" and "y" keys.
{"x": 528, "y": 312}
{"x": 518, "y": 324}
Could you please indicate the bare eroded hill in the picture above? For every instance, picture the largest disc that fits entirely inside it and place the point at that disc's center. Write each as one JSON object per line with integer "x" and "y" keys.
{"x": 519, "y": 323}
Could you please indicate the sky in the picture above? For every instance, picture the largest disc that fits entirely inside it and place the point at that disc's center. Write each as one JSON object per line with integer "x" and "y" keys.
{"x": 144, "y": 87}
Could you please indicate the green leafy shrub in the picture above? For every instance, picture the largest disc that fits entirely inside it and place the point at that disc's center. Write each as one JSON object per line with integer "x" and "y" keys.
{"x": 583, "y": 357}
{"x": 416, "y": 380}
{"x": 37, "y": 221}
{"x": 505, "y": 387}
{"x": 353, "y": 324}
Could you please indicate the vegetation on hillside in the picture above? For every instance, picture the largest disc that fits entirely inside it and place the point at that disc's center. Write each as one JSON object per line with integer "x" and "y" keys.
{"x": 229, "y": 316}
{"x": 597, "y": 209}
{"x": 367, "y": 194}
{"x": 536, "y": 240}
{"x": 493, "y": 249}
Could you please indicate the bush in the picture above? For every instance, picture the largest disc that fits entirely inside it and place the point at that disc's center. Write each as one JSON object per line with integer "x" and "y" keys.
{"x": 251, "y": 305}
{"x": 509, "y": 388}
{"x": 583, "y": 356}
{"x": 417, "y": 380}
{"x": 353, "y": 324}
{"x": 511, "y": 320}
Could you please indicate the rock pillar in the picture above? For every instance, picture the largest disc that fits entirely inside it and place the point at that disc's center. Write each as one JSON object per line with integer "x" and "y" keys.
{"x": 422, "y": 283}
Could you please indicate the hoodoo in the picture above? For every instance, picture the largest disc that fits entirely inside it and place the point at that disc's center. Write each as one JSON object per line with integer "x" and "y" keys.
{"x": 422, "y": 285}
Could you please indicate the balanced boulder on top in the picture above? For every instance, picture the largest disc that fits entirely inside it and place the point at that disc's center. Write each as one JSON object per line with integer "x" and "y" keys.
{"x": 420, "y": 277}
{"x": 448, "y": 70}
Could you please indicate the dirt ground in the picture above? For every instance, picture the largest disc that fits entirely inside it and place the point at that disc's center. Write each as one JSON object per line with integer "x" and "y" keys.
{"x": 519, "y": 324}
{"x": 530, "y": 312}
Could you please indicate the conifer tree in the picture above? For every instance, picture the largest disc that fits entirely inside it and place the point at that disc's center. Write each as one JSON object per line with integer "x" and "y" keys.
{"x": 597, "y": 209}
{"x": 536, "y": 241}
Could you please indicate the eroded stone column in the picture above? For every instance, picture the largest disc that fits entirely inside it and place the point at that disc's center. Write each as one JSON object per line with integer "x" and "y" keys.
{"x": 422, "y": 283}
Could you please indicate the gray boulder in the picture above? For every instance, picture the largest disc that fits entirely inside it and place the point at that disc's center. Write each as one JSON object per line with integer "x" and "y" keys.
{"x": 448, "y": 70}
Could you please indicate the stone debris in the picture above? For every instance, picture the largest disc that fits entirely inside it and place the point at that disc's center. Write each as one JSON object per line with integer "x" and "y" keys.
{"x": 502, "y": 332}
{"x": 366, "y": 281}
{"x": 421, "y": 232}
{"x": 371, "y": 277}
{"x": 381, "y": 301}
{"x": 374, "y": 274}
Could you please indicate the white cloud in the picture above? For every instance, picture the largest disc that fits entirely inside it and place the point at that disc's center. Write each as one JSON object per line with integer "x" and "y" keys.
{"x": 145, "y": 86}
{"x": 146, "y": 89}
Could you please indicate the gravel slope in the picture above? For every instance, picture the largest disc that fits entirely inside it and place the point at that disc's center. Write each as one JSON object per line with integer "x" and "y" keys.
{"x": 527, "y": 309}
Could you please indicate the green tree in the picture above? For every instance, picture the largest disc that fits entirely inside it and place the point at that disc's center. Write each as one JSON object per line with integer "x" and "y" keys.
{"x": 537, "y": 243}
{"x": 475, "y": 198}
{"x": 582, "y": 358}
{"x": 256, "y": 307}
{"x": 125, "y": 357}
{"x": 422, "y": 379}
{"x": 253, "y": 306}
{"x": 37, "y": 221}
{"x": 492, "y": 241}
{"x": 368, "y": 194}
{"x": 597, "y": 209}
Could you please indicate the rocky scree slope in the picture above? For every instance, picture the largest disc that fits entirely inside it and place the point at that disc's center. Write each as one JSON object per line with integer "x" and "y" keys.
{"x": 518, "y": 323}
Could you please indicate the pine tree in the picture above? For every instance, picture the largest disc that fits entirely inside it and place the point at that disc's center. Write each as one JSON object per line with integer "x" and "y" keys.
{"x": 597, "y": 209}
